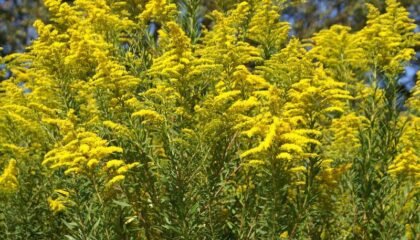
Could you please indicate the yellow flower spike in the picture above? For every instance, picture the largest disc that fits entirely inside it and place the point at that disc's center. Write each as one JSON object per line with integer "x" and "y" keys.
{"x": 284, "y": 235}
{"x": 44, "y": 109}
{"x": 285, "y": 156}
{"x": 268, "y": 140}
{"x": 61, "y": 202}
{"x": 84, "y": 148}
{"x": 298, "y": 169}
{"x": 149, "y": 115}
{"x": 117, "y": 128}
{"x": 8, "y": 179}
{"x": 266, "y": 29}
{"x": 127, "y": 167}
{"x": 115, "y": 180}
{"x": 133, "y": 165}
{"x": 243, "y": 105}
{"x": 122, "y": 170}
{"x": 72, "y": 170}
{"x": 406, "y": 164}
{"x": 158, "y": 10}
{"x": 291, "y": 148}
{"x": 222, "y": 98}
{"x": 254, "y": 163}
{"x": 92, "y": 163}
{"x": 114, "y": 163}
{"x": 103, "y": 151}
{"x": 56, "y": 205}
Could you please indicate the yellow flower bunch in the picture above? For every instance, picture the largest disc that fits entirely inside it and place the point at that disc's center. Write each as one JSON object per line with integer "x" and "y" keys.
{"x": 287, "y": 66}
{"x": 83, "y": 152}
{"x": 389, "y": 37}
{"x": 60, "y": 202}
{"x": 222, "y": 46}
{"x": 407, "y": 163}
{"x": 177, "y": 55}
{"x": 158, "y": 10}
{"x": 266, "y": 28}
{"x": 314, "y": 100}
{"x": 8, "y": 179}
{"x": 149, "y": 116}
{"x": 343, "y": 136}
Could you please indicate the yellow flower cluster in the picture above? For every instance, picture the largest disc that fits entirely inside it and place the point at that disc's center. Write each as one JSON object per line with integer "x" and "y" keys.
{"x": 79, "y": 154}
{"x": 177, "y": 55}
{"x": 407, "y": 163}
{"x": 266, "y": 29}
{"x": 8, "y": 179}
{"x": 60, "y": 202}
{"x": 118, "y": 129}
{"x": 349, "y": 53}
{"x": 149, "y": 116}
{"x": 389, "y": 37}
{"x": 158, "y": 10}
{"x": 343, "y": 134}
{"x": 84, "y": 152}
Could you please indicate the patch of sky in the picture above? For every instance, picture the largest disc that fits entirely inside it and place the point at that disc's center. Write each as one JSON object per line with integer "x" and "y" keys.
{"x": 407, "y": 79}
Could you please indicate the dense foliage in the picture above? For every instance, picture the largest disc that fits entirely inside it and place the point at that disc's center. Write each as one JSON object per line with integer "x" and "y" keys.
{"x": 348, "y": 12}
{"x": 130, "y": 120}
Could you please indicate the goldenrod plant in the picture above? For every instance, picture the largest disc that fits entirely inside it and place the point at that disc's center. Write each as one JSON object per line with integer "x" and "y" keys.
{"x": 133, "y": 120}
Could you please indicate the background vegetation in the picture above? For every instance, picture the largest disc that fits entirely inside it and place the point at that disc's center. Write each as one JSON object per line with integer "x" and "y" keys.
{"x": 183, "y": 120}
